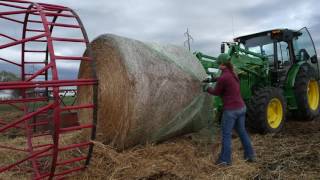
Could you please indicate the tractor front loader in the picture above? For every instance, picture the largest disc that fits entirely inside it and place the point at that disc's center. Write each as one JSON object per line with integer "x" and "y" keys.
{"x": 279, "y": 75}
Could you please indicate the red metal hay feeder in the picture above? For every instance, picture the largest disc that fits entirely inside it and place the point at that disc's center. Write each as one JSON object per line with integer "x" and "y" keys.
{"x": 44, "y": 117}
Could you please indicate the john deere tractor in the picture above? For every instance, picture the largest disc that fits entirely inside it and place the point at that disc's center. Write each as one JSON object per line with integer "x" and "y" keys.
{"x": 279, "y": 75}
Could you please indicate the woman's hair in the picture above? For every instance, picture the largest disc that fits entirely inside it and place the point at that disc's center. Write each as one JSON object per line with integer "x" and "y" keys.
{"x": 229, "y": 65}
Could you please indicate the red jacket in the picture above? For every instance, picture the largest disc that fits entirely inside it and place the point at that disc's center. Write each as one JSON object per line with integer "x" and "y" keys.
{"x": 228, "y": 88}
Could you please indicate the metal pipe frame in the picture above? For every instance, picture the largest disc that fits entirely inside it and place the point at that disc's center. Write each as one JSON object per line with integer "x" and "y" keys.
{"x": 50, "y": 150}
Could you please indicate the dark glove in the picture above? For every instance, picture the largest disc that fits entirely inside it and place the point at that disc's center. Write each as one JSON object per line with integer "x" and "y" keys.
{"x": 207, "y": 80}
{"x": 214, "y": 79}
{"x": 205, "y": 87}
{"x": 210, "y": 79}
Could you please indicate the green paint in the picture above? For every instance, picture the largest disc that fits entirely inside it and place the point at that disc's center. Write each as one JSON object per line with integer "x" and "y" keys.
{"x": 251, "y": 68}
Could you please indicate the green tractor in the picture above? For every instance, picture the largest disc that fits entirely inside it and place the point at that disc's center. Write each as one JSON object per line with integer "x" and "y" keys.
{"x": 279, "y": 75}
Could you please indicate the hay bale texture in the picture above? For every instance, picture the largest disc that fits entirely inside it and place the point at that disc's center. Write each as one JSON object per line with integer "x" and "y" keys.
{"x": 147, "y": 92}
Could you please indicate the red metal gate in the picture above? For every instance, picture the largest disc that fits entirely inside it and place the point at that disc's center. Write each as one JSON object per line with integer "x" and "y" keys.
{"x": 42, "y": 123}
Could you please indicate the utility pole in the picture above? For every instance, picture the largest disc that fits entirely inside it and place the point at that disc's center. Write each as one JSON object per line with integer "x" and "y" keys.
{"x": 189, "y": 38}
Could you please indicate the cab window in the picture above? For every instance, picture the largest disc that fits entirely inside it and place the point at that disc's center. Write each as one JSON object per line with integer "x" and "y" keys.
{"x": 303, "y": 44}
{"x": 283, "y": 53}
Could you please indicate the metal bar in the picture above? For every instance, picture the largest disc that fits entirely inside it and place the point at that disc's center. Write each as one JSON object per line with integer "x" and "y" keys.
{"x": 26, "y": 117}
{"x": 26, "y": 100}
{"x": 17, "y": 12}
{"x": 34, "y": 21}
{"x": 32, "y": 62}
{"x": 40, "y": 123}
{"x": 75, "y": 128}
{"x": 251, "y": 53}
{"x": 39, "y": 72}
{"x": 95, "y": 87}
{"x": 58, "y": 14}
{"x": 22, "y": 41}
{"x": 30, "y": 148}
{"x": 71, "y": 161}
{"x": 61, "y": 173}
{"x": 23, "y": 160}
{"x": 45, "y": 82}
{"x": 48, "y": 85}
{"x": 37, "y": 40}
{"x": 87, "y": 106}
{"x": 73, "y": 146}
{"x": 35, "y": 51}
{"x": 51, "y": 9}
{"x": 56, "y": 133}
{"x": 11, "y": 5}
{"x": 61, "y": 99}
{"x": 13, "y": 148}
{"x": 42, "y": 145}
{"x": 55, "y": 83}
{"x": 11, "y": 62}
{"x": 6, "y": 36}
{"x": 11, "y": 19}
{"x": 25, "y": 24}
{"x": 53, "y": 6}
{"x": 15, "y": 106}
{"x": 64, "y": 25}
{"x": 68, "y": 39}
{"x": 49, "y": 48}
{"x": 44, "y": 155}
{"x": 29, "y": 74}
{"x": 40, "y": 135}
{"x": 56, "y": 111}
{"x": 35, "y": 30}
{"x": 73, "y": 58}
{"x": 4, "y": 123}
{"x": 19, "y": 1}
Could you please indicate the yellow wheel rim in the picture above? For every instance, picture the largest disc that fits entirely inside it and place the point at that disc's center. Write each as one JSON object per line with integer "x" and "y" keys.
{"x": 313, "y": 94}
{"x": 274, "y": 113}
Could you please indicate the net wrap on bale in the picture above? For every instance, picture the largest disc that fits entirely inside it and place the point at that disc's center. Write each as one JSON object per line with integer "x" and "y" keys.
{"x": 147, "y": 92}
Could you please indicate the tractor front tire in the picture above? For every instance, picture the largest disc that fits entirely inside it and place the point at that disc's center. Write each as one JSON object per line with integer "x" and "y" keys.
{"x": 306, "y": 89}
{"x": 266, "y": 110}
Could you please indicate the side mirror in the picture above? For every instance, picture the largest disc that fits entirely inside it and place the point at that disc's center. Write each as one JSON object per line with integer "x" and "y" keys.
{"x": 223, "y": 47}
{"x": 314, "y": 59}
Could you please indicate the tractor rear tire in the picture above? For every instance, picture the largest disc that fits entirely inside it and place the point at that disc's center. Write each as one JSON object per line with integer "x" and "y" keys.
{"x": 266, "y": 111}
{"x": 306, "y": 89}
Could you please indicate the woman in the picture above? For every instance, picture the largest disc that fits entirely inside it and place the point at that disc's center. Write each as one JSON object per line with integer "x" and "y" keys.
{"x": 234, "y": 111}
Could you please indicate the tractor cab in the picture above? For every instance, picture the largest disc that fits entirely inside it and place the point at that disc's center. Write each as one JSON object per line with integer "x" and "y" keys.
{"x": 283, "y": 48}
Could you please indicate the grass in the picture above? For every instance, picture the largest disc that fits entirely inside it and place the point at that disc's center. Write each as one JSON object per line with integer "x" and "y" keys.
{"x": 68, "y": 100}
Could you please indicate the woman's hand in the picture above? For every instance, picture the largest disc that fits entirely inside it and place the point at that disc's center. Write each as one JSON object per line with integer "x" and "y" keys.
{"x": 210, "y": 79}
{"x": 205, "y": 87}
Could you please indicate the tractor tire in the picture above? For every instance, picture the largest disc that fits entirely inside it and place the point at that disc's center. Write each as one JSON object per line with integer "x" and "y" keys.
{"x": 266, "y": 111}
{"x": 306, "y": 89}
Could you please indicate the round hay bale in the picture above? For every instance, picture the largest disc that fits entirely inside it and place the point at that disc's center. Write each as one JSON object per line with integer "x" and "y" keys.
{"x": 147, "y": 92}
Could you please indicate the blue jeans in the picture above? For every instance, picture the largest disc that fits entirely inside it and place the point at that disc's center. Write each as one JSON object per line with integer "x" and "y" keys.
{"x": 234, "y": 119}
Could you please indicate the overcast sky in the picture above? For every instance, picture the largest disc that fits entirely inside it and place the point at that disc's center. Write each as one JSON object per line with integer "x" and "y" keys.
{"x": 209, "y": 21}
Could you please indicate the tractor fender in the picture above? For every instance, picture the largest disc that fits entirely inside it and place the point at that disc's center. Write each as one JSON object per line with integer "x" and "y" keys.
{"x": 290, "y": 82}
{"x": 293, "y": 71}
